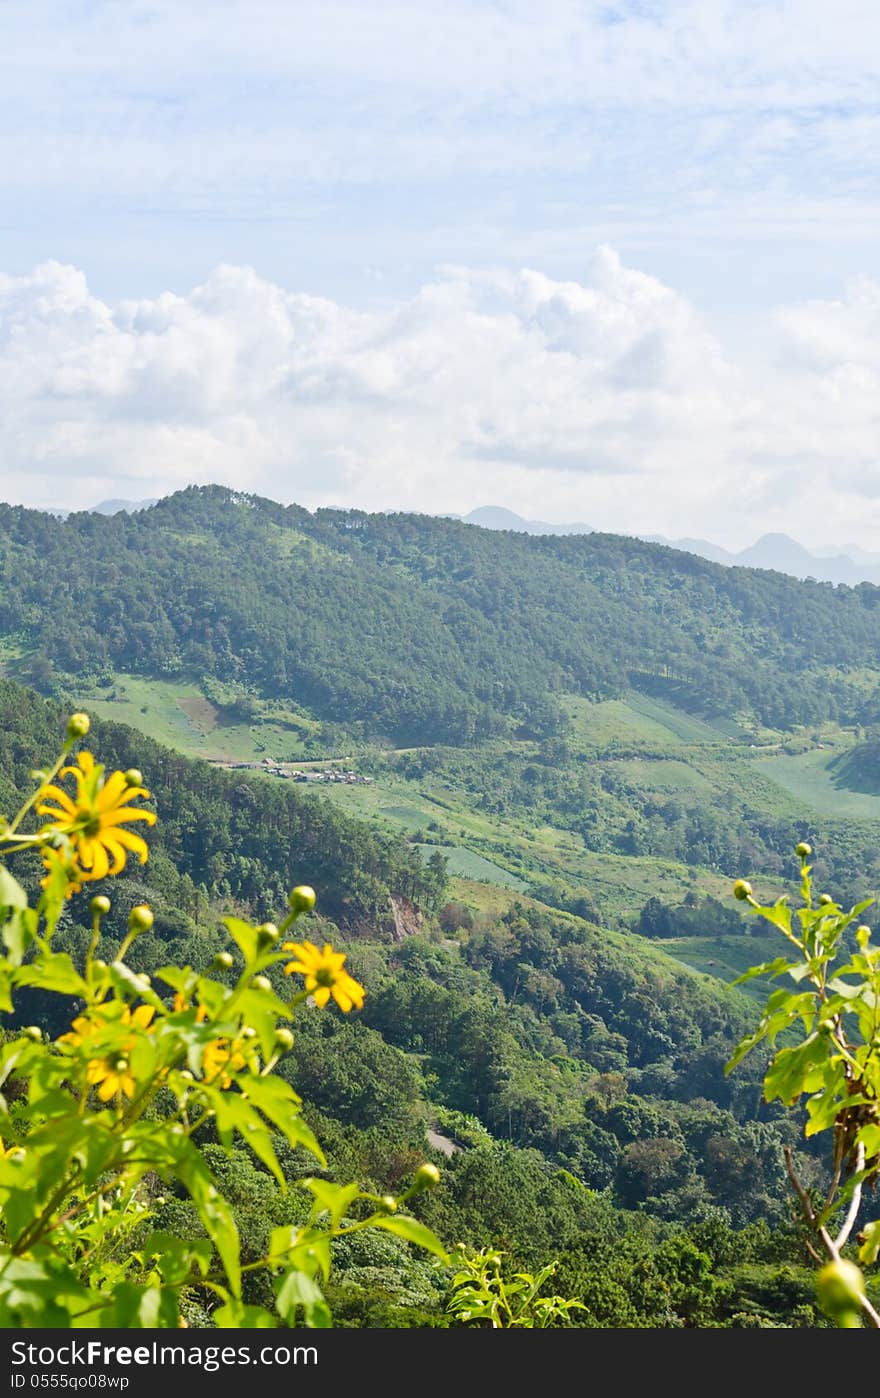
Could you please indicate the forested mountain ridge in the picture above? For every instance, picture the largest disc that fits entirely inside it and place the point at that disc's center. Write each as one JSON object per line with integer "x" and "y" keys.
{"x": 425, "y": 630}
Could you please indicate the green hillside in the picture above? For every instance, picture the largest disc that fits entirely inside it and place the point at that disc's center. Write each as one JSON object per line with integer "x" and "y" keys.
{"x": 520, "y": 801}
{"x": 417, "y": 629}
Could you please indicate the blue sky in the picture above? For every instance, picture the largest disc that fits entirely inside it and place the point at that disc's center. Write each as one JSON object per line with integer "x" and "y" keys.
{"x": 420, "y": 190}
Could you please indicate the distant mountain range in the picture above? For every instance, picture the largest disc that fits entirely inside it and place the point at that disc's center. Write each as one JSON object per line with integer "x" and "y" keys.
{"x": 115, "y": 507}
{"x": 496, "y": 517}
{"x": 777, "y": 552}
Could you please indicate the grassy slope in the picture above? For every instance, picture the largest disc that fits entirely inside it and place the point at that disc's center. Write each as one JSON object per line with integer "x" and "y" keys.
{"x": 176, "y": 713}
{"x": 494, "y": 857}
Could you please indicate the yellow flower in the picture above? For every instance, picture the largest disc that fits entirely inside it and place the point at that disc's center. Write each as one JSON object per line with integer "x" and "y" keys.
{"x": 111, "y": 1075}
{"x": 219, "y": 1056}
{"x": 181, "y": 1003}
{"x": 85, "y": 1028}
{"x": 94, "y": 819}
{"x": 60, "y": 858}
{"x": 324, "y": 975}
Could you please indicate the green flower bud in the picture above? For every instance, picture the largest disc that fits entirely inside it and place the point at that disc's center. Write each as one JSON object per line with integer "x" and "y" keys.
{"x": 33, "y": 1032}
{"x": 78, "y": 725}
{"x": 140, "y": 919}
{"x": 426, "y": 1177}
{"x": 742, "y": 890}
{"x": 223, "y": 961}
{"x": 302, "y": 899}
{"x": 284, "y": 1039}
{"x": 803, "y": 850}
{"x": 825, "y": 900}
{"x": 133, "y": 777}
{"x": 248, "y": 1032}
{"x": 863, "y": 935}
{"x": 99, "y": 906}
{"x": 267, "y": 934}
{"x": 839, "y": 1289}
{"x": 261, "y": 983}
{"x": 388, "y": 1204}
{"x": 99, "y": 965}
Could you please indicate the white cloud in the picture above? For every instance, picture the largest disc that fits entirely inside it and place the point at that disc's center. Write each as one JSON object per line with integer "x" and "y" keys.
{"x": 607, "y": 400}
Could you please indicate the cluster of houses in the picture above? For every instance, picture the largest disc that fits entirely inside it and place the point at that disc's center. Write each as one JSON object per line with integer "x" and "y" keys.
{"x": 294, "y": 774}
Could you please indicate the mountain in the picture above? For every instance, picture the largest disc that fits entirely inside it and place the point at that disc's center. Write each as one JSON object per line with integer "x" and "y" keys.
{"x": 782, "y": 554}
{"x": 496, "y": 517}
{"x": 423, "y": 630}
{"x": 113, "y": 507}
{"x": 554, "y": 1051}
{"x": 776, "y": 552}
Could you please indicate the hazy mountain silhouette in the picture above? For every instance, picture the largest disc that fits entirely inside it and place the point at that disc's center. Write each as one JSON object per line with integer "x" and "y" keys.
{"x": 777, "y": 552}
{"x": 496, "y": 517}
{"x": 115, "y": 507}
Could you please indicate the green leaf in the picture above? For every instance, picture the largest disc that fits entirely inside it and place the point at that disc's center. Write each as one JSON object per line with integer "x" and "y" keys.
{"x": 414, "y": 1232}
{"x": 19, "y": 931}
{"x": 870, "y": 1139}
{"x": 779, "y": 914}
{"x": 330, "y": 1198}
{"x": 215, "y": 1213}
{"x": 39, "y": 1293}
{"x": 307, "y": 1251}
{"x": 262, "y": 1009}
{"x": 235, "y": 1315}
{"x": 140, "y": 1308}
{"x": 298, "y": 1291}
{"x": 178, "y": 1258}
{"x": 870, "y": 1246}
{"x": 766, "y": 968}
{"x": 844, "y": 989}
{"x": 54, "y": 971}
{"x": 789, "y": 1074}
{"x": 12, "y": 895}
{"x": 278, "y": 1102}
{"x": 127, "y": 982}
{"x": 233, "y": 1113}
{"x": 245, "y": 937}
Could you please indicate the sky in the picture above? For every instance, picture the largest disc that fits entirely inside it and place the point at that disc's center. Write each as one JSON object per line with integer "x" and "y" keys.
{"x": 599, "y": 261}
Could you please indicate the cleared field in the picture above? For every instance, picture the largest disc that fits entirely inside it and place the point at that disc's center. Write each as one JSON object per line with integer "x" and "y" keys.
{"x": 407, "y": 816}
{"x": 616, "y": 720}
{"x": 177, "y": 714}
{"x": 813, "y": 779}
{"x": 727, "y": 957}
{"x": 663, "y": 775}
{"x": 466, "y": 864}
{"x": 686, "y": 727}
{"x": 639, "y": 718}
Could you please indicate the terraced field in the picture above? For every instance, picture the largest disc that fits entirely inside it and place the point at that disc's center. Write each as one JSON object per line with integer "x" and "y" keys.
{"x": 816, "y": 778}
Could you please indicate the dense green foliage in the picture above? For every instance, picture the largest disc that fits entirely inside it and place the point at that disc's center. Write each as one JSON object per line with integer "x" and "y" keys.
{"x": 422, "y": 629}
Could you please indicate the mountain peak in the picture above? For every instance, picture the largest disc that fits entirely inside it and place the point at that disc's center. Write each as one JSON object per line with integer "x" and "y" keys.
{"x": 497, "y": 517}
